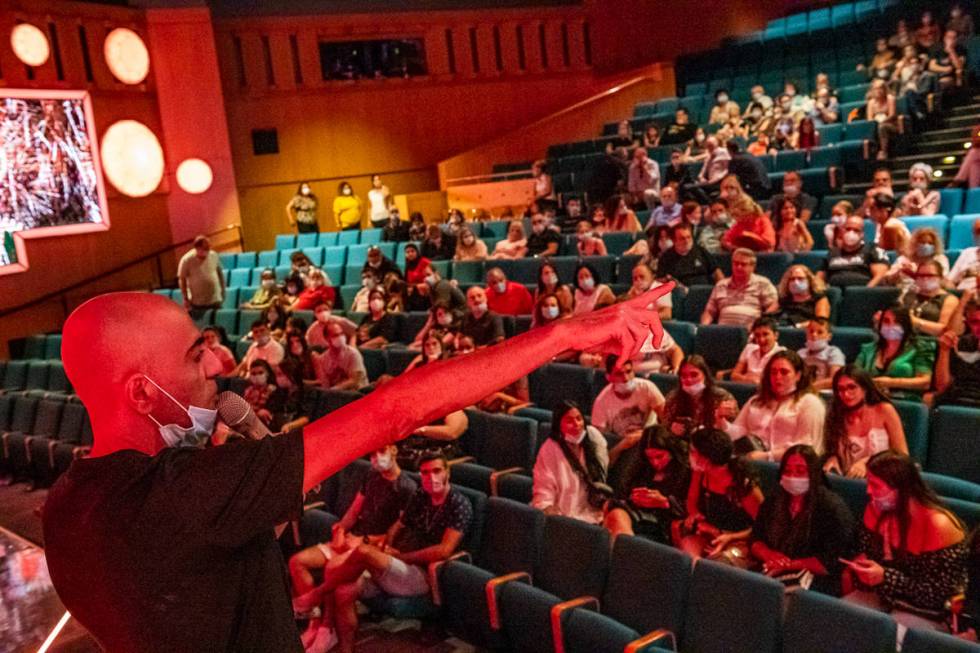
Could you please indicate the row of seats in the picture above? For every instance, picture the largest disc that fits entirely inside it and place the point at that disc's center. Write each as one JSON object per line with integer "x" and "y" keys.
{"x": 329, "y": 238}
{"x": 41, "y": 436}
{"x": 36, "y": 376}
{"x": 637, "y": 588}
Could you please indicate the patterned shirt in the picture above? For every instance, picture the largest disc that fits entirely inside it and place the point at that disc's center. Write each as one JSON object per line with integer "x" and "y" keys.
{"x": 743, "y": 305}
{"x": 425, "y": 523}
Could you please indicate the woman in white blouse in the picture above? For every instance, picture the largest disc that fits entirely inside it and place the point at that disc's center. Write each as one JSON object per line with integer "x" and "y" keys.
{"x": 920, "y": 200}
{"x": 573, "y": 457}
{"x": 515, "y": 245}
{"x": 785, "y": 412}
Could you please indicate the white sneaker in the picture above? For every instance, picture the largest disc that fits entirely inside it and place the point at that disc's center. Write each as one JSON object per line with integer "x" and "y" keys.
{"x": 326, "y": 639}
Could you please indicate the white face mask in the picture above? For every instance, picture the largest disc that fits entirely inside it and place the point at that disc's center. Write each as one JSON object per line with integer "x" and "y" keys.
{"x": 551, "y": 312}
{"x": 479, "y": 309}
{"x": 550, "y": 279}
{"x": 433, "y": 485}
{"x": 347, "y": 191}
{"x": 446, "y": 319}
{"x": 817, "y": 345}
{"x": 892, "y": 332}
{"x": 500, "y": 287}
{"x": 587, "y": 284}
{"x": 382, "y": 462}
{"x": 263, "y": 341}
{"x": 537, "y": 228}
{"x": 798, "y": 286}
{"x": 920, "y": 185}
{"x": 259, "y": 380}
{"x": 795, "y": 485}
{"x": 338, "y": 341}
{"x": 851, "y": 238}
{"x": 268, "y": 283}
{"x": 576, "y": 438}
{"x": 377, "y": 304}
{"x": 927, "y": 284}
{"x": 838, "y": 219}
{"x": 195, "y": 435}
{"x": 305, "y": 190}
{"x": 368, "y": 282}
{"x": 792, "y": 190}
{"x": 431, "y": 280}
{"x": 694, "y": 389}
{"x": 624, "y": 388}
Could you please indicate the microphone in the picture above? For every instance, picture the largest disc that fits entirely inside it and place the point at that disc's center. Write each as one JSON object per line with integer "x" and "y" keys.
{"x": 238, "y": 415}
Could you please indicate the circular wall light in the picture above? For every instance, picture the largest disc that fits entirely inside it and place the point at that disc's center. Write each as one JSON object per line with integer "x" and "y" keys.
{"x": 30, "y": 44}
{"x": 194, "y": 176}
{"x": 132, "y": 158}
{"x": 126, "y": 55}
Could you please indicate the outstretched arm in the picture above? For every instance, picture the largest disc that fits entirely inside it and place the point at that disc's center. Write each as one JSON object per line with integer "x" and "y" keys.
{"x": 401, "y": 406}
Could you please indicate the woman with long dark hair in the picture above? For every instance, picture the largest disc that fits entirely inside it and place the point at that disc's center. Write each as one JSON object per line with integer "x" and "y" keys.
{"x": 786, "y": 410}
{"x": 571, "y": 467}
{"x": 722, "y": 502}
{"x": 803, "y": 528}
{"x": 301, "y": 210}
{"x": 698, "y": 402}
{"x": 862, "y": 422}
{"x": 654, "y": 491}
{"x": 913, "y": 551}
{"x": 898, "y": 359}
{"x": 549, "y": 283}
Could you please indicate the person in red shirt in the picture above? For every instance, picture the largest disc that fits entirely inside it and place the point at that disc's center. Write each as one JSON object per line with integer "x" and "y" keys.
{"x": 507, "y": 297}
{"x": 315, "y": 293}
{"x": 416, "y": 265}
{"x": 752, "y": 229}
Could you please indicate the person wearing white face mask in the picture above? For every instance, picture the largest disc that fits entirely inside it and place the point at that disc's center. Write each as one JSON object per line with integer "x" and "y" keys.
{"x": 643, "y": 280}
{"x": 544, "y": 239}
{"x": 912, "y": 550}
{"x": 369, "y": 281}
{"x": 480, "y": 323}
{"x": 643, "y": 180}
{"x": 380, "y": 499}
{"x": 316, "y": 334}
{"x": 920, "y": 200}
{"x": 785, "y": 411}
{"x": 586, "y": 242}
{"x": 301, "y": 210}
{"x": 469, "y": 247}
{"x": 260, "y": 390}
{"x": 698, "y": 401}
{"x": 803, "y": 527}
{"x": 590, "y": 295}
{"x": 669, "y": 211}
{"x": 924, "y": 246}
{"x": 506, "y": 297}
{"x": 347, "y": 208}
{"x": 340, "y": 366}
{"x": 930, "y": 305}
{"x": 854, "y": 263}
{"x": 571, "y": 468}
{"x": 802, "y": 297}
{"x": 898, "y": 359}
{"x": 266, "y": 294}
{"x": 263, "y": 347}
{"x": 792, "y": 193}
{"x": 378, "y": 327}
{"x": 626, "y": 406}
{"x": 724, "y": 109}
{"x": 822, "y": 358}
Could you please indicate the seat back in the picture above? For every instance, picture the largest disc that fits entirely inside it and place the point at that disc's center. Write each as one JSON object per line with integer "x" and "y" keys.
{"x": 501, "y": 441}
{"x": 953, "y": 432}
{"x": 574, "y": 558}
{"x": 15, "y": 377}
{"x": 349, "y": 482}
{"x": 720, "y": 345}
{"x": 511, "y": 538}
{"x": 694, "y": 303}
{"x": 811, "y": 616}
{"x": 683, "y": 333}
{"x": 22, "y": 420}
{"x": 659, "y": 600}
{"x": 730, "y": 609}
{"x": 516, "y": 487}
{"x": 37, "y": 375}
{"x": 70, "y": 428}
{"x": 474, "y": 535}
{"x": 961, "y": 232}
{"x": 931, "y": 641}
{"x": 57, "y": 379}
{"x": 47, "y": 418}
{"x": 553, "y": 384}
{"x": 859, "y": 304}
{"x": 915, "y": 422}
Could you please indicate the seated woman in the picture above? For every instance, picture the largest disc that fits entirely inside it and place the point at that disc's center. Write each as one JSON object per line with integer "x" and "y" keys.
{"x": 654, "y": 490}
{"x": 266, "y": 294}
{"x": 587, "y": 243}
{"x": 912, "y": 551}
{"x": 923, "y": 246}
{"x": 571, "y": 467}
{"x": 958, "y": 363}
{"x": 898, "y": 359}
{"x": 803, "y": 527}
{"x": 698, "y": 402}
{"x": 469, "y": 247}
{"x": 378, "y": 327}
{"x": 920, "y": 200}
{"x": 315, "y": 292}
{"x": 547, "y": 309}
{"x": 515, "y": 245}
{"x": 930, "y": 306}
{"x": 416, "y": 266}
{"x": 432, "y": 350}
{"x": 213, "y": 341}
{"x": 444, "y": 323}
{"x": 785, "y": 412}
{"x": 839, "y": 214}
{"x": 752, "y": 229}
{"x": 397, "y": 291}
{"x": 275, "y": 318}
{"x": 291, "y": 289}
{"x": 261, "y": 390}
{"x": 298, "y": 365}
{"x": 723, "y": 501}
{"x": 619, "y": 216}
{"x": 802, "y": 297}
{"x": 589, "y": 293}
{"x": 550, "y": 283}
{"x": 862, "y": 422}
{"x": 793, "y": 236}
{"x": 757, "y": 352}
{"x": 369, "y": 281}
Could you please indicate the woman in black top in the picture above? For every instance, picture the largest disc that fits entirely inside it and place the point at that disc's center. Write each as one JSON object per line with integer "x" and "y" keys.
{"x": 722, "y": 502}
{"x": 378, "y": 327}
{"x": 958, "y": 364}
{"x": 803, "y": 527}
{"x": 654, "y": 489}
{"x": 801, "y": 297}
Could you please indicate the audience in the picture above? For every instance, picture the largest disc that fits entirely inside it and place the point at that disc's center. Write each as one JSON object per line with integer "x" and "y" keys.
{"x": 898, "y": 359}
{"x": 786, "y": 411}
{"x": 340, "y": 366}
{"x": 263, "y": 347}
{"x": 821, "y": 358}
{"x": 680, "y": 131}
{"x": 713, "y": 228}
{"x": 626, "y": 406}
{"x": 792, "y": 194}
{"x": 481, "y": 324}
{"x": 715, "y": 166}
{"x": 852, "y": 262}
{"x": 378, "y": 327}
{"x": 881, "y": 109}
{"x": 260, "y": 389}
{"x": 507, "y": 297}
{"x": 957, "y": 371}
{"x": 301, "y": 210}
{"x": 590, "y": 294}
{"x": 550, "y": 283}
{"x": 587, "y": 243}
{"x": 930, "y": 306}
{"x": 742, "y": 298}
{"x": 752, "y": 229}
{"x": 547, "y": 309}
{"x": 924, "y": 246}
{"x": 438, "y": 245}
{"x": 802, "y": 297}
{"x": 543, "y": 187}
{"x": 948, "y": 60}
{"x": 469, "y": 247}
{"x": 213, "y": 340}
{"x": 379, "y": 264}
{"x": 619, "y": 216}
{"x": 793, "y": 236}
{"x": 677, "y": 173}
{"x": 839, "y": 213}
{"x": 395, "y": 230}
{"x": 723, "y": 501}
{"x": 912, "y": 551}
{"x": 862, "y": 422}
{"x": 724, "y": 109}
{"x": 316, "y": 292}
{"x": 267, "y": 293}
{"x": 755, "y": 355}
{"x": 803, "y": 528}
{"x": 669, "y": 211}
{"x": 687, "y": 263}
{"x": 514, "y": 246}
{"x": 643, "y": 280}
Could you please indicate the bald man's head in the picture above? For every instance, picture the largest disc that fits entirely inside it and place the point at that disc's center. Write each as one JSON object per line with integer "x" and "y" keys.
{"x": 113, "y": 342}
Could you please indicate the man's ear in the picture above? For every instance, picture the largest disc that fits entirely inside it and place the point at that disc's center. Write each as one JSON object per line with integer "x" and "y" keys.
{"x": 140, "y": 393}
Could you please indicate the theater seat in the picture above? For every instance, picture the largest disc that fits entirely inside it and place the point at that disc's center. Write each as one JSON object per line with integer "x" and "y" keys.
{"x": 859, "y": 304}
{"x": 516, "y": 487}
{"x": 931, "y": 641}
{"x": 813, "y": 618}
{"x": 500, "y": 441}
{"x": 720, "y": 345}
{"x": 13, "y": 460}
{"x": 551, "y": 385}
{"x": 694, "y": 303}
{"x": 915, "y": 423}
{"x": 954, "y": 431}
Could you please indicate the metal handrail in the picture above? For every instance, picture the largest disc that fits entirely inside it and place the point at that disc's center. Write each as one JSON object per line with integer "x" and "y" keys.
{"x": 62, "y": 293}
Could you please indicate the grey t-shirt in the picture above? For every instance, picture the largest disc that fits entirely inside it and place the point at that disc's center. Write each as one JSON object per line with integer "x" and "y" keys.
{"x": 202, "y": 278}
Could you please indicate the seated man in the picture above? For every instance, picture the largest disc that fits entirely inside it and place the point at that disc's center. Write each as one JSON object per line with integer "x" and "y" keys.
{"x": 742, "y": 298}
{"x": 792, "y": 192}
{"x": 316, "y": 334}
{"x": 643, "y": 183}
{"x": 480, "y": 323}
{"x": 714, "y": 225}
{"x": 687, "y": 263}
{"x": 854, "y": 263}
{"x": 267, "y": 294}
{"x": 434, "y": 290}
{"x": 544, "y": 239}
{"x": 626, "y": 406}
{"x": 429, "y": 530}
{"x": 507, "y": 297}
{"x": 680, "y": 131}
{"x": 822, "y": 358}
{"x": 757, "y": 352}
{"x": 378, "y": 263}
{"x": 263, "y": 347}
{"x": 380, "y": 500}
{"x": 340, "y": 366}
{"x": 438, "y": 245}
{"x": 669, "y": 211}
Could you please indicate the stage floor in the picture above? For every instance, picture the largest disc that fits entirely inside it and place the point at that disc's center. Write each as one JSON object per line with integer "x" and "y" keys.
{"x": 29, "y": 606}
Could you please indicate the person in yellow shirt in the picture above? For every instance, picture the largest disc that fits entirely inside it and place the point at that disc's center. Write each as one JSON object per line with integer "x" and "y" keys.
{"x": 347, "y": 208}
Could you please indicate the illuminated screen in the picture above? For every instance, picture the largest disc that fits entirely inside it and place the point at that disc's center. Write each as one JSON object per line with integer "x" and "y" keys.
{"x": 50, "y": 181}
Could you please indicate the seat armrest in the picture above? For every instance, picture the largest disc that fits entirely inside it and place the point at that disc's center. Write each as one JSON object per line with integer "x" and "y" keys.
{"x": 434, "y": 568}
{"x": 495, "y": 477}
{"x": 315, "y": 504}
{"x": 462, "y": 459}
{"x": 491, "y": 590}
{"x": 640, "y": 645}
{"x": 556, "y": 612}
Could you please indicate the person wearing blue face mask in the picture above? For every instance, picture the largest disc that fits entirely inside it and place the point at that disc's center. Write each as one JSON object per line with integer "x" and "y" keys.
{"x": 912, "y": 550}
{"x": 803, "y": 528}
{"x": 930, "y": 305}
{"x": 898, "y": 359}
{"x": 626, "y": 406}
{"x": 924, "y": 246}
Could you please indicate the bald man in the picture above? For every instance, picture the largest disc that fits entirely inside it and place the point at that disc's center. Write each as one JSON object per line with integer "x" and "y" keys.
{"x": 156, "y": 542}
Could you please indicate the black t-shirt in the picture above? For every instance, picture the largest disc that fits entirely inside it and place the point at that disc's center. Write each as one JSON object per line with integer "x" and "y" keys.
{"x": 677, "y": 134}
{"x": 487, "y": 330}
{"x": 538, "y": 243}
{"x": 694, "y": 268}
{"x": 384, "y": 267}
{"x": 384, "y": 500}
{"x": 424, "y": 524}
{"x": 176, "y": 552}
{"x": 941, "y": 57}
{"x": 854, "y": 269}
{"x": 750, "y": 171}
{"x": 681, "y": 176}
{"x": 385, "y": 327}
{"x": 444, "y": 251}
